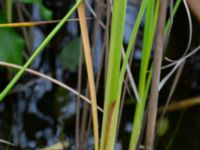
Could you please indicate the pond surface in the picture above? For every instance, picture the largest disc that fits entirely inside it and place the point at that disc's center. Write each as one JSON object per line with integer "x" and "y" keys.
{"x": 38, "y": 113}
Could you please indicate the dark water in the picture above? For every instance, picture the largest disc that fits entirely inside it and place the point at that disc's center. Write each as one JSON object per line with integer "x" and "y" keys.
{"x": 37, "y": 113}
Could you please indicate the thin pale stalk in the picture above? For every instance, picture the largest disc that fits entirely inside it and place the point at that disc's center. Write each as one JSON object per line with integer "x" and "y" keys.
{"x": 88, "y": 58}
{"x": 153, "y": 100}
{"x": 36, "y": 73}
{"x": 7, "y": 142}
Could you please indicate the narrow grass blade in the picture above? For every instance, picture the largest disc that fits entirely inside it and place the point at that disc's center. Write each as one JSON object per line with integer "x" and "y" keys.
{"x": 175, "y": 9}
{"x": 148, "y": 37}
{"x": 108, "y": 134}
{"x": 131, "y": 79}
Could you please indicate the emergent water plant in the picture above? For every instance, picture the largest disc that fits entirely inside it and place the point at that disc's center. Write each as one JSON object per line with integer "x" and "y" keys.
{"x": 149, "y": 10}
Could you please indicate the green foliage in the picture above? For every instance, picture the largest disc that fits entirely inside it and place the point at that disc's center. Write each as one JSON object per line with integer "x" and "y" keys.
{"x": 144, "y": 82}
{"x": 111, "y": 105}
{"x": 70, "y": 54}
{"x": 11, "y": 44}
{"x": 145, "y": 77}
{"x": 38, "y": 51}
{"x": 44, "y": 11}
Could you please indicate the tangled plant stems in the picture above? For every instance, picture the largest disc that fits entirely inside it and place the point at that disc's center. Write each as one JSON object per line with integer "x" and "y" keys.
{"x": 38, "y": 51}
